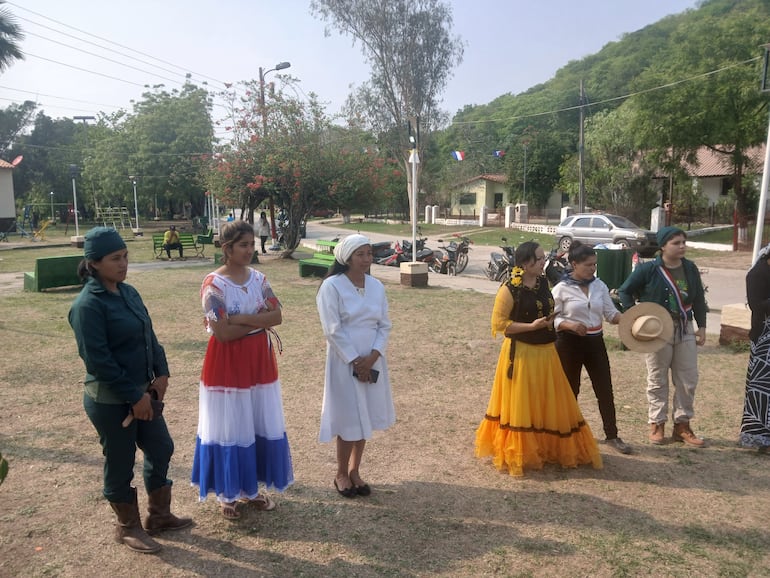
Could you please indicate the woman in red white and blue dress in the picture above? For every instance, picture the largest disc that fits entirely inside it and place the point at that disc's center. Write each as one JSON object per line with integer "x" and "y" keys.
{"x": 241, "y": 439}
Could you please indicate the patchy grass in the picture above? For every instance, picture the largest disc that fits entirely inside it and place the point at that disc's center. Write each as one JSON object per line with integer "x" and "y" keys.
{"x": 435, "y": 510}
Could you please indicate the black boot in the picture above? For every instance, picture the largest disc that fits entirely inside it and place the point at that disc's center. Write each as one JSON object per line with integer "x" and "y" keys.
{"x": 161, "y": 518}
{"x": 129, "y": 529}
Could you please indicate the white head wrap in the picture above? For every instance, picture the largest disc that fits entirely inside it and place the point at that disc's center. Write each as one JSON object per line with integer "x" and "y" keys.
{"x": 347, "y": 246}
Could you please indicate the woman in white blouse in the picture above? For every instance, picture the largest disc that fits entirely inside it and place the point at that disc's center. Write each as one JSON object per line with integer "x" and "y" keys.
{"x": 582, "y": 301}
{"x": 357, "y": 397}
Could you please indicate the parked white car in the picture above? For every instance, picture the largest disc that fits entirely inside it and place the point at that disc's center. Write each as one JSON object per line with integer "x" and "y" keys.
{"x": 597, "y": 228}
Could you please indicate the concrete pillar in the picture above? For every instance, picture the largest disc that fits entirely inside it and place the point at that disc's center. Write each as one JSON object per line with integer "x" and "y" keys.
{"x": 657, "y": 219}
{"x": 483, "y": 216}
{"x": 428, "y": 215}
{"x": 434, "y": 213}
{"x": 564, "y": 213}
{"x": 414, "y": 274}
{"x": 508, "y": 216}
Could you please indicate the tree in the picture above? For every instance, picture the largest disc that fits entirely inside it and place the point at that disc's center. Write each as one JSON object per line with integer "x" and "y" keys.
{"x": 13, "y": 120}
{"x": 10, "y": 36}
{"x": 722, "y": 111}
{"x": 163, "y": 144}
{"x": 618, "y": 175}
{"x": 411, "y": 51}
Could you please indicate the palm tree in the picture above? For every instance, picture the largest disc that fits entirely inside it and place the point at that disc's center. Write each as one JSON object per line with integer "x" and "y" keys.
{"x": 10, "y": 36}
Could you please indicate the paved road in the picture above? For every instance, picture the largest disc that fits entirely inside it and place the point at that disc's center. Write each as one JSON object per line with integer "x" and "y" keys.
{"x": 725, "y": 286}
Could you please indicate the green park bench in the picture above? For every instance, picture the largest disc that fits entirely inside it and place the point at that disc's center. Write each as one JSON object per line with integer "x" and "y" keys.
{"x": 318, "y": 266}
{"x": 207, "y": 239}
{"x": 187, "y": 240}
{"x": 325, "y": 246}
{"x": 53, "y": 272}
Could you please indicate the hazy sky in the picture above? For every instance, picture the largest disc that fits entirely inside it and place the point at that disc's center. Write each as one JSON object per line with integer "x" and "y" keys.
{"x": 510, "y": 45}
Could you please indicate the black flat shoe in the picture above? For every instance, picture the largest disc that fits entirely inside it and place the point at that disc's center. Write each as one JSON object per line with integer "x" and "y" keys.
{"x": 364, "y": 490}
{"x": 347, "y": 492}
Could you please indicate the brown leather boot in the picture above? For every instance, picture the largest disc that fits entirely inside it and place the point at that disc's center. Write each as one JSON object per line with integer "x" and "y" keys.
{"x": 129, "y": 529}
{"x": 657, "y": 433}
{"x": 683, "y": 433}
{"x": 161, "y": 518}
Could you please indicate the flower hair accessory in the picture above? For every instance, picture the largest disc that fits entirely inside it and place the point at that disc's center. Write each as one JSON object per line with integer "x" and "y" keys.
{"x": 516, "y": 276}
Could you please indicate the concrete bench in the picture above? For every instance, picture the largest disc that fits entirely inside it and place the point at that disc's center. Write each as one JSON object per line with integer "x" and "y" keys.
{"x": 318, "y": 266}
{"x": 51, "y": 272}
{"x": 187, "y": 240}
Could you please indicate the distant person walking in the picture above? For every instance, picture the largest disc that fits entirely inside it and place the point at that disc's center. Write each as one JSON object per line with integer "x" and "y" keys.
{"x": 262, "y": 228}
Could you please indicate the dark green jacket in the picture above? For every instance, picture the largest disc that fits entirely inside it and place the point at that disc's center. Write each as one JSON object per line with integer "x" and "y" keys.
{"x": 647, "y": 284}
{"x": 117, "y": 343}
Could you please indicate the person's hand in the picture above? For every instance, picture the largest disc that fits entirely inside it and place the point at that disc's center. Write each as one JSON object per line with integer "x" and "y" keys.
{"x": 700, "y": 336}
{"x": 577, "y": 329}
{"x": 159, "y": 385}
{"x": 540, "y": 323}
{"x": 142, "y": 409}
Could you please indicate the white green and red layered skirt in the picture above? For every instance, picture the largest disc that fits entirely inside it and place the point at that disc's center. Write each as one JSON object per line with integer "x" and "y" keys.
{"x": 241, "y": 440}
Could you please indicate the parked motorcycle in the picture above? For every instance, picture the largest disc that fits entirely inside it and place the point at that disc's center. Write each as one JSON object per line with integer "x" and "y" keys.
{"x": 397, "y": 257}
{"x": 500, "y": 264}
{"x": 444, "y": 263}
{"x": 460, "y": 251}
{"x": 381, "y": 250}
{"x": 423, "y": 253}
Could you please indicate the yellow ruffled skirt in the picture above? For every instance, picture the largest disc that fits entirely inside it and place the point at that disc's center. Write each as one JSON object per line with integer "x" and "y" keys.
{"x": 533, "y": 418}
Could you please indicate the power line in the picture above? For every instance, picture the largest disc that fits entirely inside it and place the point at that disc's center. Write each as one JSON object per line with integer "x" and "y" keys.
{"x": 102, "y": 57}
{"x": 110, "y": 42}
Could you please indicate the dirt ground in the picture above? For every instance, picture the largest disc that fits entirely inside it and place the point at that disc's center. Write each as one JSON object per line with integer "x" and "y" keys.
{"x": 436, "y": 510}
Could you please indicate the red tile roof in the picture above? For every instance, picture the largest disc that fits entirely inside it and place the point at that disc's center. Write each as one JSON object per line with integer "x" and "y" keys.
{"x": 494, "y": 177}
{"x": 711, "y": 164}
{"x": 5, "y": 165}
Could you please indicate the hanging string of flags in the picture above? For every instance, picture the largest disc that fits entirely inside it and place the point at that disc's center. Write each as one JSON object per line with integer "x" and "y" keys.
{"x": 460, "y": 155}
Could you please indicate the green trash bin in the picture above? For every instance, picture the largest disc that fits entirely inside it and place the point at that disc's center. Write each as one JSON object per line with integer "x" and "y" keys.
{"x": 613, "y": 266}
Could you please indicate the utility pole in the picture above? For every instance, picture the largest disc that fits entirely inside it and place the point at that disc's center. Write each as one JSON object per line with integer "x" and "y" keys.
{"x": 581, "y": 147}
{"x": 263, "y": 110}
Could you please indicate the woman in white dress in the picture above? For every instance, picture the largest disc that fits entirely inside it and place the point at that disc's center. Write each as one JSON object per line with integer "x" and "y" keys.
{"x": 357, "y": 394}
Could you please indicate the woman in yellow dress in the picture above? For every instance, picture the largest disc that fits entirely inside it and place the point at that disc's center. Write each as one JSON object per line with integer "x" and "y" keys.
{"x": 532, "y": 417}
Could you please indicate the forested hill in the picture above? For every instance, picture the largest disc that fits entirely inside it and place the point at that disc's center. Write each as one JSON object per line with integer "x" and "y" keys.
{"x": 718, "y": 34}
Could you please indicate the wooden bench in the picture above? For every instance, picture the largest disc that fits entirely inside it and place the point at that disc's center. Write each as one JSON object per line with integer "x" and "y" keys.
{"x": 318, "y": 266}
{"x": 53, "y": 272}
{"x": 187, "y": 240}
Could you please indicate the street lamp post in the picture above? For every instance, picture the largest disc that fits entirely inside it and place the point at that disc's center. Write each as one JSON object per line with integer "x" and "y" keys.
{"x": 263, "y": 110}
{"x": 52, "y": 215}
{"x": 137, "y": 231}
{"x": 77, "y": 240}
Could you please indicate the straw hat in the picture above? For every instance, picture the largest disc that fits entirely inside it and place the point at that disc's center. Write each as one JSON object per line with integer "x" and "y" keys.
{"x": 646, "y": 327}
